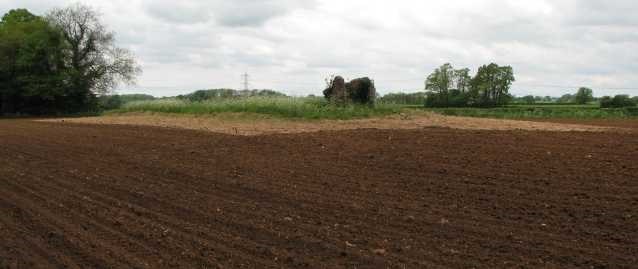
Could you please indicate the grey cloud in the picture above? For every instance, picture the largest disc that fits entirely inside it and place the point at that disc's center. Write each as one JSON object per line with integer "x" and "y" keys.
{"x": 183, "y": 12}
{"x": 556, "y": 42}
{"x": 597, "y": 13}
{"x": 225, "y": 13}
{"x": 255, "y": 12}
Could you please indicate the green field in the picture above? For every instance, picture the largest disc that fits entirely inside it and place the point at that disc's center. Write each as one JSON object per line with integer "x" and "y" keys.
{"x": 281, "y": 107}
{"x": 318, "y": 108}
{"x": 541, "y": 111}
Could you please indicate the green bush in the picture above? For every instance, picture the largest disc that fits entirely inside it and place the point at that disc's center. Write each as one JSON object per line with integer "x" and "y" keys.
{"x": 618, "y": 101}
{"x": 111, "y": 102}
{"x": 454, "y": 98}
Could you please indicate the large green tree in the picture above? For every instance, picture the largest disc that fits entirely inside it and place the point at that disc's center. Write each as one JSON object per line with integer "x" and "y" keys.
{"x": 96, "y": 65}
{"x": 58, "y": 64}
{"x": 447, "y": 86}
{"x": 584, "y": 96}
{"x": 32, "y": 74}
{"x": 490, "y": 86}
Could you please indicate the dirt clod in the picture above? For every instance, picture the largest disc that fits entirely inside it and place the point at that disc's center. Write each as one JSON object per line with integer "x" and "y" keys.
{"x": 379, "y": 251}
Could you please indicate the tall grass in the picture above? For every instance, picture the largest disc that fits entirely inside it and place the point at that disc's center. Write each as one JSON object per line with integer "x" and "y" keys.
{"x": 282, "y": 107}
{"x": 541, "y": 112}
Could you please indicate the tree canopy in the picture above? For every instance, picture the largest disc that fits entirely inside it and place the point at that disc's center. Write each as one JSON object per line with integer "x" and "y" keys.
{"x": 58, "y": 63}
{"x": 617, "y": 101}
{"x": 449, "y": 87}
{"x": 584, "y": 96}
{"x": 32, "y": 67}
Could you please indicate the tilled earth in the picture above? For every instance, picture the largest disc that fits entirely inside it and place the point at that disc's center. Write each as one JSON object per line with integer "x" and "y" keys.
{"x": 94, "y": 196}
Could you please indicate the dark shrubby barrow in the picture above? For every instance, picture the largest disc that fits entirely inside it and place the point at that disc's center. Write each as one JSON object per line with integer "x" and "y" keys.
{"x": 357, "y": 91}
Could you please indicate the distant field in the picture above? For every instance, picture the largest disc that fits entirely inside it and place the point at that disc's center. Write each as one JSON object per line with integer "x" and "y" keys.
{"x": 281, "y": 107}
{"x": 318, "y": 108}
{"x": 542, "y": 111}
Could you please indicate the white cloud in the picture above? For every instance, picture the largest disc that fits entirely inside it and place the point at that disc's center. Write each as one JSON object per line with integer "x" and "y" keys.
{"x": 292, "y": 45}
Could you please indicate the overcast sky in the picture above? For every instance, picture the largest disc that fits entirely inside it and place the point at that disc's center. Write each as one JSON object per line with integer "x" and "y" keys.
{"x": 293, "y": 45}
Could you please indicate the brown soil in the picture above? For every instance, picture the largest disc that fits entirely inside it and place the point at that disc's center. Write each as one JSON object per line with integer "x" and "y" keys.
{"x": 242, "y": 125}
{"x": 95, "y": 196}
{"x": 629, "y": 123}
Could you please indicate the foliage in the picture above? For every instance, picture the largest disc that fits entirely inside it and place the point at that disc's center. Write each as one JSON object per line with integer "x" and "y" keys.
{"x": 546, "y": 99}
{"x": 57, "y": 64}
{"x": 490, "y": 86}
{"x": 282, "y": 107}
{"x": 584, "y": 96}
{"x": 617, "y": 101}
{"x": 111, "y": 102}
{"x": 453, "y": 98}
{"x": 417, "y": 98}
{"x": 32, "y": 74}
{"x": 447, "y": 87}
{"x": 96, "y": 64}
{"x": 567, "y": 98}
{"x": 357, "y": 91}
{"x": 127, "y": 98}
{"x": 530, "y": 99}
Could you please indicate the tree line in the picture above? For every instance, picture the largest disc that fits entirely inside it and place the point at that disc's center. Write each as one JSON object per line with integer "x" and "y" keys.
{"x": 204, "y": 95}
{"x": 60, "y": 62}
{"x": 417, "y": 98}
{"x": 582, "y": 96}
{"x": 450, "y": 87}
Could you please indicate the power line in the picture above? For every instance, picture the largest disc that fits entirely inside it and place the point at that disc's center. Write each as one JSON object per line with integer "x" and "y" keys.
{"x": 245, "y": 78}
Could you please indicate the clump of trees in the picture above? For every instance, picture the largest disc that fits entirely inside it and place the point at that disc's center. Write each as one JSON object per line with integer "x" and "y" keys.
{"x": 584, "y": 95}
{"x": 449, "y": 87}
{"x": 531, "y": 99}
{"x": 59, "y": 63}
{"x": 618, "y": 101}
{"x": 566, "y": 99}
{"x": 203, "y": 95}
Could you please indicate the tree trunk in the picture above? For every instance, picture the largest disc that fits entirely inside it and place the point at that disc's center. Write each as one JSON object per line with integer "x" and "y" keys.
{"x": 6, "y": 106}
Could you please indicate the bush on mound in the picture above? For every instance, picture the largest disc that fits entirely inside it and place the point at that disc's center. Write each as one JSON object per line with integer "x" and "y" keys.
{"x": 357, "y": 91}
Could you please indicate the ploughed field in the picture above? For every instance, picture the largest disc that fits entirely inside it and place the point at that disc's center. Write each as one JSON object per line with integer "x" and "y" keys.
{"x": 101, "y": 196}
